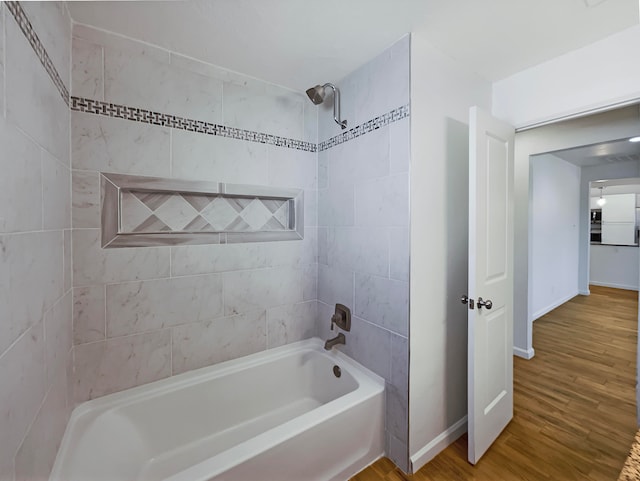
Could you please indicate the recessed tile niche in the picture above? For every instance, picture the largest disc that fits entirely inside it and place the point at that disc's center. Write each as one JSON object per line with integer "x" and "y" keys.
{"x": 142, "y": 211}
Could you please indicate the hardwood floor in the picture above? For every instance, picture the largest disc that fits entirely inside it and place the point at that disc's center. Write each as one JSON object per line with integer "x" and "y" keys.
{"x": 574, "y": 402}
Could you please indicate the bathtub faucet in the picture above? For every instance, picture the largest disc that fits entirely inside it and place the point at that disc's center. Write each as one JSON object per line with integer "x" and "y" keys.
{"x": 339, "y": 339}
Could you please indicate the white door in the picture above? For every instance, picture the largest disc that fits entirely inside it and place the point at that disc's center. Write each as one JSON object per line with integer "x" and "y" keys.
{"x": 490, "y": 344}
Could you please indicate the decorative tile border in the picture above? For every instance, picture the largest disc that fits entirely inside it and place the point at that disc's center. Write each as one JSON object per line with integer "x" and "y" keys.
{"x": 175, "y": 122}
{"x": 369, "y": 126}
{"x": 32, "y": 37}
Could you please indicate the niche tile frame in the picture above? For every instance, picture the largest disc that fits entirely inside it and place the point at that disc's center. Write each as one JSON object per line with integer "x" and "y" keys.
{"x": 113, "y": 186}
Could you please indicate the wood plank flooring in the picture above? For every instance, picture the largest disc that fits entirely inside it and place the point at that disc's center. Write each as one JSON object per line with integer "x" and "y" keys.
{"x": 574, "y": 402}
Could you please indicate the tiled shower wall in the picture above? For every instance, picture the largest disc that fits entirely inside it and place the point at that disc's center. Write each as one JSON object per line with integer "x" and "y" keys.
{"x": 35, "y": 237}
{"x": 363, "y": 228}
{"x": 142, "y": 314}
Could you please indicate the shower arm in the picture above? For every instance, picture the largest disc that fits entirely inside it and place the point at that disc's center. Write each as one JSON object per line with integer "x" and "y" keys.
{"x": 336, "y": 105}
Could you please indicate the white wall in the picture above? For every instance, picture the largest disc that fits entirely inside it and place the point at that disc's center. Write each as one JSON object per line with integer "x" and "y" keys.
{"x": 572, "y": 133}
{"x": 441, "y": 94}
{"x": 589, "y": 78}
{"x": 554, "y": 222}
{"x": 614, "y": 266}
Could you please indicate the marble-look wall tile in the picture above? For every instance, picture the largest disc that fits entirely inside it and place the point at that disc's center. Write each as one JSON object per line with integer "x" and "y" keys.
{"x": 56, "y": 193}
{"x": 291, "y": 253}
{"x": 118, "y": 42}
{"x": 2, "y": 102}
{"x": 204, "y": 259}
{"x": 144, "y": 82}
{"x": 20, "y": 182}
{"x": 336, "y": 206}
{"x": 31, "y": 268}
{"x": 85, "y": 195}
{"x": 382, "y": 301}
{"x": 93, "y": 265}
{"x": 399, "y": 146}
{"x": 88, "y": 314}
{"x": 219, "y": 159}
{"x": 398, "y": 452}
{"x": 310, "y": 282}
{"x": 383, "y": 202}
{"x": 363, "y": 158}
{"x": 399, "y": 254}
{"x": 359, "y": 250}
{"x": 135, "y": 307}
{"x": 291, "y": 323}
{"x": 310, "y": 112}
{"x": 397, "y": 418}
{"x": 22, "y": 377}
{"x": 369, "y": 345}
{"x": 33, "y": 102}
{"x": 51, "y": 22}
{"x": 335, "y": 285}
{"x": 384, "y": 84}
{"x": 37, "y": 453}
{"x": 250, "y": 290}
{"x": 292, "y": 168}
{"x": 67, "y": 267}
{"x": 270, "y": 110}
{"x": 323, "y": 167}
{"x": 87, "y": 75}
{"x": 210, "y": 342}
{"x": 58, "y": 335}
{"x": 113, "y": 145}
{"x": 323, "y": 247}
{"x": 113, "y": 365}
{"x": 399, "y": 367}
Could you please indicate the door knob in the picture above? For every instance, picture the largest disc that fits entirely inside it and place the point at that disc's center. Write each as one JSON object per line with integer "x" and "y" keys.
{"x": 488, "y": 304}
{"x": 465, "y": 300}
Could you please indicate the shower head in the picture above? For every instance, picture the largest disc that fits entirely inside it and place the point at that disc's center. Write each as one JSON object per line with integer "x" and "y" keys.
{"x": 317, "y": 94}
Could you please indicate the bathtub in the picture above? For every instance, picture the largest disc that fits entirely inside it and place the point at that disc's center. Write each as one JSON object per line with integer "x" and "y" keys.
{"x": 277, "y": 415}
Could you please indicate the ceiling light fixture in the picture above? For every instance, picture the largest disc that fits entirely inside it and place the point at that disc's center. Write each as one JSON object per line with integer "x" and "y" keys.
{"x": 601, "y": 201}
{"x": 634, "y": 139}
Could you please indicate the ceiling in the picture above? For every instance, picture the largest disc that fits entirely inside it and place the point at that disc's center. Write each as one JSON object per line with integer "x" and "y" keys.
{"x": 299, "y": 43}
{"x": 630, "y": 185}
{"x": 613, "y": 151}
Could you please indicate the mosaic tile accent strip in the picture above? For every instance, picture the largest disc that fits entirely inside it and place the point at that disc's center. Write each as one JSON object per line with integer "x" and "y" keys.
{"x": 142, "y": 211}
{"x": 167, "y": 120}
{"x": 32, "y": 37}
{"x": 369, "y": 126}
{"x": 149, "y": 212}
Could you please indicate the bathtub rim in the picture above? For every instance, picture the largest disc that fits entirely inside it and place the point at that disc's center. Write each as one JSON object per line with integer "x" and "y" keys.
{"x": 369, "y": 384}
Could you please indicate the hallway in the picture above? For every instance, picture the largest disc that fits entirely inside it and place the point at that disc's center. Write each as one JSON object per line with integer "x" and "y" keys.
{"x": 574, "y": 402}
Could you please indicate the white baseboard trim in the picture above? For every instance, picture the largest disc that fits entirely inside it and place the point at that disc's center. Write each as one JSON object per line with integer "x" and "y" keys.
{"x": 558, "y": 303}
{"x": 433, "y": 448}
{"x": 615, "y": 286}
{"x": 584, "y": 293}
{"x": 525, "y": 353}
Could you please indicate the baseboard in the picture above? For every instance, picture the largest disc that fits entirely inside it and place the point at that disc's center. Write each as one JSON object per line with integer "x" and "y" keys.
{"x": 433, "y": 448}
{"x": 524, "y": 353}
{"x": 584, "y": 293}
{"x": 542, "y": 312}
{"x": 615, "y": 286}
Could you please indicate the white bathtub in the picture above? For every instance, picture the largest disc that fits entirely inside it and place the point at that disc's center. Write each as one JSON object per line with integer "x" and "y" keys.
{"x": 277, "y": 415}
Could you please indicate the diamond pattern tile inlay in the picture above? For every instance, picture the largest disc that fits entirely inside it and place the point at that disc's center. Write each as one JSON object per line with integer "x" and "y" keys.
{"x": 147, "y": 212}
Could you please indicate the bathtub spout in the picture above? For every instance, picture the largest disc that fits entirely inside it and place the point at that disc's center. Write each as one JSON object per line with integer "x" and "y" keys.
{"x": 339, "y": 339}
